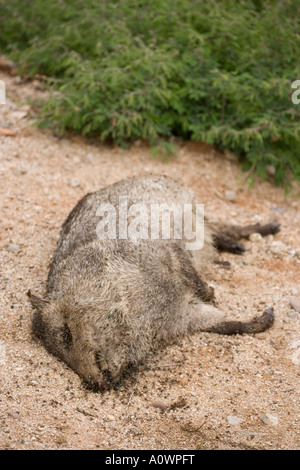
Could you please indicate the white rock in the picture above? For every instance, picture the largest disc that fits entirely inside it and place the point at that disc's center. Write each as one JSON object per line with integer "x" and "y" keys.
{"x": 277, "y": 248}
{"x": 234, "y": 420}
{"x": 13, "y": 248}
{"x": 110, "y": 417}
{"x": 295, "y": 304}
{"x": 255, "y": 237}
{"x": 74, "y": 183}
{"x": 271, "y": 420}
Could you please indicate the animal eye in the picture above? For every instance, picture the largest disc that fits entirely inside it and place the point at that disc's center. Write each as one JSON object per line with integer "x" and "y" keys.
{"x": 67, "y": 336}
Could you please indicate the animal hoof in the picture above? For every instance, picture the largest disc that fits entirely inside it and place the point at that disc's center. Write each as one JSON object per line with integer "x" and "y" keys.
{"x": 238, "y": 249}
{"x": 274, "y": 227}
{"x": 268, "y": 317}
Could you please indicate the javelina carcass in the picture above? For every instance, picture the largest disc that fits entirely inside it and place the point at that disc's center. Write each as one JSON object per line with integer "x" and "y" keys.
{"x": 111, "y": 300}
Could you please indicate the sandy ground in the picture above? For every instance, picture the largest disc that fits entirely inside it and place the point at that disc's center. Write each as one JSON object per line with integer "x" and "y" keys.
{"x": 205, "y": 392}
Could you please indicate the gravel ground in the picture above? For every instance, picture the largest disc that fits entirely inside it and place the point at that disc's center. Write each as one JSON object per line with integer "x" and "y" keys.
{"x": 205, "y": 392}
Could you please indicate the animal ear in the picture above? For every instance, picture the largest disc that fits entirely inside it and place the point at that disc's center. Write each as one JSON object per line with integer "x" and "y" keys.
{"x": 37, "y": 302}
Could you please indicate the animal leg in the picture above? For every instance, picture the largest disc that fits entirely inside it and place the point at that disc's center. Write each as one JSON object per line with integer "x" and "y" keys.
{"x": 210, "y": 319}
{"x": 226, "y": 237}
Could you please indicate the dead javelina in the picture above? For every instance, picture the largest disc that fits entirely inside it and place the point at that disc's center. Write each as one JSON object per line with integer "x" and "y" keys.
{"x": 109, "y": 302}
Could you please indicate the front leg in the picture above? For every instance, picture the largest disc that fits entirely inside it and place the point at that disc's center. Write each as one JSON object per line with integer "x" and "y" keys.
{"x": 224, "y": 242}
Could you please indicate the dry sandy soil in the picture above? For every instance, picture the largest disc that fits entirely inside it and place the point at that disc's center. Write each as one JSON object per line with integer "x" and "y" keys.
{"x": 205, "y": 392}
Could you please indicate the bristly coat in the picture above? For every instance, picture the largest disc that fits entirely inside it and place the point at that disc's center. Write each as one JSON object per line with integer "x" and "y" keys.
{"x": 110, "y": 302}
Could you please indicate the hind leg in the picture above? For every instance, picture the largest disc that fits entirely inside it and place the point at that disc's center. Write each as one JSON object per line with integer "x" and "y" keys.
{"x": 205, "y": 317}
{"x": 226, "y": 237}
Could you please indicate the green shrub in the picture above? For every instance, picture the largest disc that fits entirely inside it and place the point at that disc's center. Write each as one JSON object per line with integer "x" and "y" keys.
{"x": 218, "y": 71}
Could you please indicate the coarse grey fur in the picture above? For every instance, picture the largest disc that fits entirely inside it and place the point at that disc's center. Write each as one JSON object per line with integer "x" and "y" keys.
{"x": 110, "y": 302}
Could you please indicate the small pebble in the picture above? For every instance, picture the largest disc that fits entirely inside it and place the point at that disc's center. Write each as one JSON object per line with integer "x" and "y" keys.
{"x": 13, "y": 248}
{"x": 295, "y": 304}
{"x": 268, "y": 372}
{"x": 292, "y": 314}
{"x": 110, "y": 417}
{"x": 277, "y": 248}
{"x": 234, "y": 420}
{"x": 269, "y": 238}
{"x": 162, "y": 406}
{"x": 74, "y": 183}
{"x": 14, "y": 414}
{"x": 255, "y": 237}
{"x": 20, "y": 172}
{"x": 294, "y": 291}
{"x": 268, "y": 418}
{"x": 149, "y": 373}
{"x": 230, "y": 195}
{"x": 135, "y": 431}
